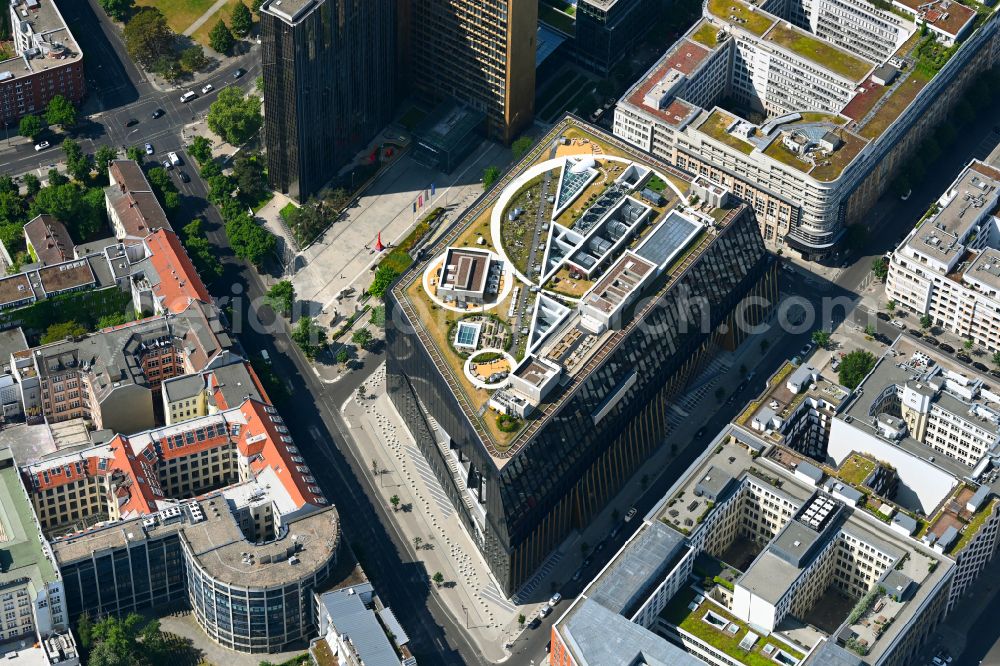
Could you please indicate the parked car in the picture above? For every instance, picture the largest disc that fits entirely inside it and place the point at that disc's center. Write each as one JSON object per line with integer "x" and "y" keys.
{"x": 264, "y": 355}
{"x": 554, "y": 601}
{"x": 544, "y": 612}
{"x": 577, "y": 575}
{"x": 914, "y": 332}
{"x": 159, "y": 113}
{"x": 631, "y": 514}
{"x": 239, "y": 73}
{"x": 167, "y": 165}
{"x": 41, "y": 145}
{"x": 184, "y": 177}
{"x": 149, "y": 149}
{"x": 805, "y": 350}
{"x": 964, "y": 358}
{"x": 188, "y": 96}
{"x": 979, "y": 366}
{"x": 898, "y": 324}
{"x": 535, "y": 623}
{"x": 131, "y": 122}
{"x": 207, "y": 88}
{"x": 883, "y": 316}
{"x": 931, "y": 341}
{"x": 945, "y": 347}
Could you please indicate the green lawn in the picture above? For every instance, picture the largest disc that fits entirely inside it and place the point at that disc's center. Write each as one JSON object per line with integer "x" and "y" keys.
{"x": 751, "y": 21}
{"x": 287, "y": 210}
{"x": 707, "y": 35}
{"x": 778, "y": 151}
{"x": 820, "y": 52}
{"x": 855, "y": 469}
{"x": 896, "y": 103}
{"x": 225, "y": 12}
{"x": 180, "y": 13}
{"x": 715, "y": 127}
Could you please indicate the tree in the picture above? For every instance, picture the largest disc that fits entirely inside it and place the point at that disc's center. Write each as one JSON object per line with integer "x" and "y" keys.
{"x": 103, "y": 158}
{"x": 148, "y": 37}
{"x": 54, "y": 178}
{"x": 384, "y": 277}
{"x": 259, "y": 84}
{"x": 241, "y": 20}
{"x": 209, "y": 169}
{"x": 891, "y": 306}
{"x": 490, "y": 175}
{"x": 134, "y": 153}
{"x": 168, "y": 67}
{"x": 220, "y": 38}
{"x": 200, "y": 250}
{"x": 880, "y": 267}
{"x": 84, "y": 626}
{"x": 33, "y": 184}
{"x": 343, "y": 356}
{"x": 117, "y": 9}
{"x": 249, "y": 241}
{"x": 870, "y": 331}
{"x": 132, "y": 640}
{"x": 416, "y": 542}
{"x": 362, "y": 337}
{"x": 521, "y": 620}
{"x": 60, "y": 111}
{"x": 438, "y": 578}
{"x": 996, "y": 359}
{"x": 30, "y": 126}
{"x": 968, "y": 344}
{"x": 234, "y": 116}
{"x": 394, "y": 501}
{"x": 854, "y": 367}
{"x": 200, "y": 149}
{"x": 76, "y": 162}
{"x": 926, "y": 321}
{"x": 309, "y": 336}
{"x": 281, "y": 297}
{"x": 193, "y": 58}
{"x": 62, "y": 330}
{"x": 521, "y": 146}
{"x": 164, "y": 188}
{"x": 248, "y": 171}
{"x": 821, "y": 338}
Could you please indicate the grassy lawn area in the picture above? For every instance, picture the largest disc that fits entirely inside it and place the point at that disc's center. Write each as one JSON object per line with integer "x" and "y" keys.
{"x": 715, "y": 126}
{"x": 821, "y": 52}
{"x": 287, "y": 210}
{"x": 855, "y": 469}
{"x": 778, "y": 151}
{"x": 556, "y": 19}
{"x": 751, "y": 21}
{"x": 179, "y": 13}
{"x": 821, "y": 117}
{"x": 707, "y": 35}
{"x": 841, "y": 157}
{"x": 896, "y": 103}
{"x": 201, "y": 34}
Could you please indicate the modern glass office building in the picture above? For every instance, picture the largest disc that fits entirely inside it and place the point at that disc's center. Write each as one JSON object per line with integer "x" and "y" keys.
{"x": 329, "y": 85}
{"x": 601, "y": 422}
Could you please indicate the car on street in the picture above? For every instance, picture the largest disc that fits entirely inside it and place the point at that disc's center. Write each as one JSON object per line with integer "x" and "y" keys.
{"x": 805, "y": 350}
{"x": 535, "y": 623}
{"x": 41, "y": 145}
{"x": 554, "y": 601}
{"x": 188, "y": 96}
{"x": 631, "y": 514}
{"x": 167, "y": 165}
{"x": 159, "y": 113}
{"x": 948, "y": 349}
{"x": 131, "y": 122}
{"x": 931, "y": 341}
{"x": 149, "y": 149}
{"x": 577, "y": 575}
{"x": 883, "y": 316}
{"x": 544, "y": 611}
{"x": 914, "y": 332}
{"x": 174, "y": 159}
{"x": 239, "y": 72}
{"x": 980, "y": 367}
{"x": 207, "y": 88}
{"x": 898, "y": 324}
{"x": 964, "y": 358}
{"x": 184, "y": 177}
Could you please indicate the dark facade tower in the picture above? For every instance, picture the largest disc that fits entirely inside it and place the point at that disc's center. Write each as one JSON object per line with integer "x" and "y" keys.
{"x": 329, "y": 85}
{"x": 570, "y": 469}
{"x": 479, "y": 52}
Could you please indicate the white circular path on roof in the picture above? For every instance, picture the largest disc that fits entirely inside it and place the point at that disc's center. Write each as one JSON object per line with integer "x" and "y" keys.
{"x": 476, "y": 381}
{"x": 497, "y": 215}
{"x": 431, "y": 274}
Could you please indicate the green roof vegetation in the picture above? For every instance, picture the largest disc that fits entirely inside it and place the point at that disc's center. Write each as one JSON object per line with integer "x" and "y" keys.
{"x": 830, "y": 168}
{"x": 973, "y": 525}
{"x": 855, "y": 469}
{"x": 715, "y": 127}
{"x": 819, "y": 51}
{"x": 739, "y": 13}
{"x": 896, "y": 103}
{"x": 677, "y": 613}
{"x": 706, "y": 35}
{"x": 822, "y": 117}
{"x": 778, "y": 151}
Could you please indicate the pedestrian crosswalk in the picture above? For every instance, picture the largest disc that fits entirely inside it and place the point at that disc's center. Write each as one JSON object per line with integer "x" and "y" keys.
{"x": 492, "y": 595}
{"x": 430, "y": 481}
{"x": 523, "y": 594}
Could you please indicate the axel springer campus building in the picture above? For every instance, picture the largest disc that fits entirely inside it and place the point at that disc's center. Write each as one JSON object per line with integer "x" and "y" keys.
{"x": 807, "y": 109}
{"x": 534, "y": 353}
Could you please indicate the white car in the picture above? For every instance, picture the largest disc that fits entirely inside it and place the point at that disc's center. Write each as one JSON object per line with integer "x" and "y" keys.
{"x": 545, "y": 611}
{"x": 898, "y": 324}
{"x": 630, "y": 514}
{"x": 41, "y": 145}
{"x": 188, "y": 96}
{"x": 554, "y": 601}
{"x": 174, "y": 159}
{"x": 207, "y": 88}
{"x": 149, "y": 149}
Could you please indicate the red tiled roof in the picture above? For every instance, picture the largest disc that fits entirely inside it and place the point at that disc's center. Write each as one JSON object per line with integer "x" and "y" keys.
{"x": 179, "y": 282}
{"x": 948, "y": 16}
{"x": 685, "y": 59}
{"x": 274, "y": 453}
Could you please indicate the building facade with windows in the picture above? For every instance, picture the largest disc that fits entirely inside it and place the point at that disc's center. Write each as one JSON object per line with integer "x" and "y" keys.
{"x": 329, "y": 71}
{"x": 608, "y": 30}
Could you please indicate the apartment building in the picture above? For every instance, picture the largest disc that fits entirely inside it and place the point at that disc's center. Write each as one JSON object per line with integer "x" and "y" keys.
{"x": 110, "y": 377}
{"x": 33, "y": 606}
{"x": 47, "y": 240}
{"x": 948, "y": 267}
{"x": 132, "y": 206}
{"x": 204, "y": 393}
{"x": 479, "y": 53}
{"x": 330, "y": 82}
{"x": 804, "y": 110}
{"x": 573, "y": 412}
{"x": 745, "y": 595}
{"x": 47, "y": 61}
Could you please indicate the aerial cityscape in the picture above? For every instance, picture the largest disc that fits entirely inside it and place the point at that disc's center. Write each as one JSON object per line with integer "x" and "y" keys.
{"x": 540, "y": 332}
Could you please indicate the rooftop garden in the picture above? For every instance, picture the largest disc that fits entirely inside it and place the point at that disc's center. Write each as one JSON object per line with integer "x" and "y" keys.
{"x": 777, "y": 379}
{"x": 715, "y": 126}
{"x": 706, "y": 35}
{"x": 973, "y": 526}
{"x": 855, "y": 469}
{"x": 896, "y": 103}
{"x": 820, "y": 51}
{"x": 741, "y": 14}
{"x": 777, "y": 150}
{"x": 718, "y": 635}
{"x": 821, "y": 117}
{"x": 832, "y": 166}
